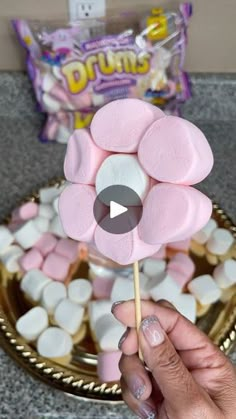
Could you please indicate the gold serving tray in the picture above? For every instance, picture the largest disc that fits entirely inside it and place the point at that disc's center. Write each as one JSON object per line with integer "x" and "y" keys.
{"x": 78, "y": 376}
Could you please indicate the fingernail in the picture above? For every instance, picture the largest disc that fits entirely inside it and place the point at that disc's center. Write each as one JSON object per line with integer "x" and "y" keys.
{"x": 146, "y": 411}
{"x": 123, "y": 337}
{"x": 114, "y": 305}
{"x": 152, "y": 331}
{"x": 136, "y": 386}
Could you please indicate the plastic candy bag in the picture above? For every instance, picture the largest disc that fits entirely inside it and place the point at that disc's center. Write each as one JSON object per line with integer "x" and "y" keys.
{"x": 79, "y": 67}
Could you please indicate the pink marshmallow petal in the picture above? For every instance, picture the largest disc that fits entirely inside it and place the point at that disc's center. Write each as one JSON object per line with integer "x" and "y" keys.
{"x": 68, "y": 248}
{"x": 76, "y": 212}
{"x": 56, "y": 266}
{"x": 120, "y": 125}
{"x": 83, "y": 158}
{"x": 176, "y": 151}
{"x": 123, "y": 248}
{"x": 183, "y": 245}
{"x": 174, "y": 212}
{"x": 160, "y": 254}
{"x": 46, "y": 243}
{"x": 183, "y": 264}
{"x": 31, "y": 260}
{"x": 102, "y": 287}
{"x": 25, "y": 212}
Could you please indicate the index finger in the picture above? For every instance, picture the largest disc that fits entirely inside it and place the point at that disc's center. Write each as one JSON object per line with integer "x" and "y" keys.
{"x": 183, "y": 334}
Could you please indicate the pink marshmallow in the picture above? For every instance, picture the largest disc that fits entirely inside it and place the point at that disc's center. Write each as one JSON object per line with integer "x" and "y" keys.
{"x": 183, "y": 264}
{"x": 67, "y": 248}
{"x": 46, "y": 244}
{"x": 180, "y": 245}
{"x": 25, "y": 212}
{"x": 83, "y": 158}
{"x": 51, "y": 86}
{"x": 108, "y": 366}
{"x": 120, "y": 125}
{"x": 56, "y": 266}
{"x": 81, "y": 101}
{"x": 60, "y": 94}
{"x": 174, "y": 212}
{"x": 76, "y": 210}
{"x": 161, "y": 254}
{"x": 123, "y": 248}
{"x": 176, "y": 151}
{"x": 31, "y": 260}
{"x": 178, "y": 277}
{"x": 102, "y": 287}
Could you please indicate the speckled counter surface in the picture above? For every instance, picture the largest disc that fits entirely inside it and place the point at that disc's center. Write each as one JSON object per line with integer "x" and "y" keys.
{"x": 26, "y": 164}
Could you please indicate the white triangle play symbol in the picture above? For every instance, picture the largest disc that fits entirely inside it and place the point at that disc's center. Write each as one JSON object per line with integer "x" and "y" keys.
{"x": 116, "y": 209}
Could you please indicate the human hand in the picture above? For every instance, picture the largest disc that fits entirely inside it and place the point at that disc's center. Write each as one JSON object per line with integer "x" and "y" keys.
{"x": 188, "y": 377}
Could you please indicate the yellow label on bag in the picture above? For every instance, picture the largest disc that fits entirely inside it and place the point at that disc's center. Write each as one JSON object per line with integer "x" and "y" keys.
{"x": 158, "y": 27}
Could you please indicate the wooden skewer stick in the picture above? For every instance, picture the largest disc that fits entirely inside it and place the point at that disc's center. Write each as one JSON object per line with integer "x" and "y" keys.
{"x": 138, "y": 313}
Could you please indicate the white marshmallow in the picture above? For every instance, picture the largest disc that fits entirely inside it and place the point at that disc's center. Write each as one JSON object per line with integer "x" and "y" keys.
{"x": 225, "y": 274}
{"x": 154, "y": 267}
{"x": 57, "y": 72}
{"x": 55, "y": 205}
{"x": 47, "y": 195}
{"x": 51, "y": 105}
{"x": 101, "y": 272}
{"x": 42, "y": 224}
{"x": 54, "y": 343}
{"x": 143, "y": 285}
{"x": 123, "y": 169}
{"x": 204, "y": 289}
{"x": 52, "y": 294}
{"x": 220, "y": 241}
{"x": 28, "y": 234}
{"x": 123, "y": 289}
{"x": 97, "y": 100}
{"x": 48, "y": 82}
{"x": 204, "y": 234}
{"x": 32, "y": 324}
{"x": 46, "y": 211}
{"x": 10, "y": 258}
{"x": 97, "y": 309}
{"x": 108, "y": 332}
{"x": 63, "y": 134}
{"x": 6, "y": 238}
{"x": 165, "y": 288}
{"x": 186, "y": 305}
{"x": 80, "y": 291}
{"x": 69, "y": 316}
{"x": 56, "y": 227}
{"x": 33, "y": 283}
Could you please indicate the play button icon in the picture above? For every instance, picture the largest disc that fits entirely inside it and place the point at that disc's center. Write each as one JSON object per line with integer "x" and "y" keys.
{"x": 118, "y": 209}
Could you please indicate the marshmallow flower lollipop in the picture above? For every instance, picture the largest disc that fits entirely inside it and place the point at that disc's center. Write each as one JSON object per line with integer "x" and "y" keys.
{"x": 133, "y": 143}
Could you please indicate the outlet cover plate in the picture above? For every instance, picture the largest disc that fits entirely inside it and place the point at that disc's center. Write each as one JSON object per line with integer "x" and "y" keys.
{"x": 86, "y": 9}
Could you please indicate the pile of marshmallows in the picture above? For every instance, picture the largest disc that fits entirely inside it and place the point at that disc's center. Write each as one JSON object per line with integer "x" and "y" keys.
{"x": 34, "y": 242}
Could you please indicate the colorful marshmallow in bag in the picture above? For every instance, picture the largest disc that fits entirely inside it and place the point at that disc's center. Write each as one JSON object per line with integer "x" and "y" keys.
{"x": 79, "y": 68}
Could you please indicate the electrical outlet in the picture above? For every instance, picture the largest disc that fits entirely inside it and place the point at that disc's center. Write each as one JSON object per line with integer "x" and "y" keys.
{"x": 86, "y": 9}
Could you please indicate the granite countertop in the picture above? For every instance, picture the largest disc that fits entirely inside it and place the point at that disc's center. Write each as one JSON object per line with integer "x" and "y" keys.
{"x": 27, "y": 164}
